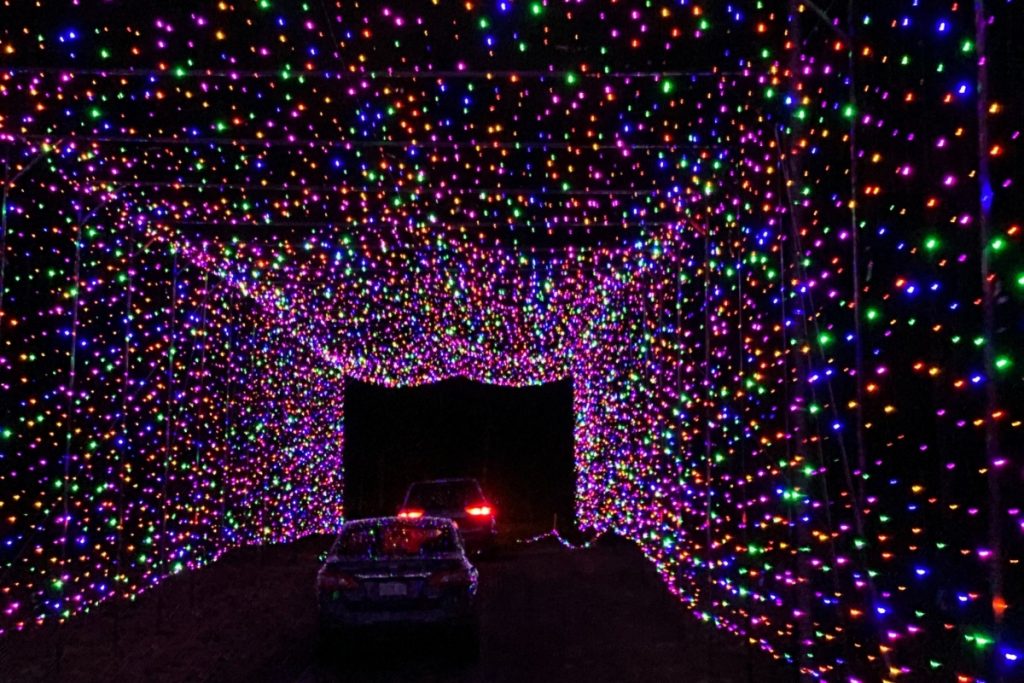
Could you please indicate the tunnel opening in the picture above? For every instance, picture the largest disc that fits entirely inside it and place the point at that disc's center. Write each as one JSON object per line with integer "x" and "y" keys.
{"x": 518, "y": 442}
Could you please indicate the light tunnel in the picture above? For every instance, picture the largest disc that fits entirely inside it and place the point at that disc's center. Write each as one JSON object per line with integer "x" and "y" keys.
{"x": 786, "y": 292}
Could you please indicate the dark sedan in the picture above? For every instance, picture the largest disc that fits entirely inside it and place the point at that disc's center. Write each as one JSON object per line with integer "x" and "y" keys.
{"x": 461, "y": 500}
{"x": 389, "y": 570}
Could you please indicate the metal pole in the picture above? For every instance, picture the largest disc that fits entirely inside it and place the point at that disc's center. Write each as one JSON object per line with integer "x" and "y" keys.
{"x": 988, "y": 284}
{"x": 858, "y": 342}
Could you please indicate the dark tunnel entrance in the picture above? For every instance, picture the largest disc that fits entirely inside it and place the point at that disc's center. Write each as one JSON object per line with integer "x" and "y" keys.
{"x": 517, "y": 441}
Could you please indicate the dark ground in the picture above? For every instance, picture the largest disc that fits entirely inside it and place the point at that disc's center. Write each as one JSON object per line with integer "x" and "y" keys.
{"x": 548, "y": 614}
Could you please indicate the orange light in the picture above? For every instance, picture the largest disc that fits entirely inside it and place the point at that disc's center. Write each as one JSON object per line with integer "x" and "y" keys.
{"x": 479, "y": 510}
{"x": 410, "y": 514}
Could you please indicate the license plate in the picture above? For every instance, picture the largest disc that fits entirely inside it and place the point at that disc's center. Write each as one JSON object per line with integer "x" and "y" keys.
{"x": 391, "y": 590}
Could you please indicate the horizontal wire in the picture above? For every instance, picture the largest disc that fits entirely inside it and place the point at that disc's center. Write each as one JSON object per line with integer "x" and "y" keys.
{"x": 348, "y": 188}
{"x": 333, "y": 144}
{"x": 237, "y": 74}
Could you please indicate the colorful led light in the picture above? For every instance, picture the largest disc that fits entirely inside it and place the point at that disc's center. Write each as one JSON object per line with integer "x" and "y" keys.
{"x": 212, "y": 216}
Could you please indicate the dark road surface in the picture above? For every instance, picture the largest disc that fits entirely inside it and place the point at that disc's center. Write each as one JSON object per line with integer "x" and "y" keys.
{"x": 548, "y": 614}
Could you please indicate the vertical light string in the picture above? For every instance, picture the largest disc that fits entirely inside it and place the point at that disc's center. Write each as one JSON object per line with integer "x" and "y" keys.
{"x": 9, "y": 180}
{"x": 63, "y": 577}
{"x": 195, "y": 535}
{"x": 230, "y": 434}
{"x": 123, "y": 446}
{"x": 706, "y": 427}
{"x": 3, "y": 232}
{"x": 171, "y": 406}
{"x": 741, "y": 446}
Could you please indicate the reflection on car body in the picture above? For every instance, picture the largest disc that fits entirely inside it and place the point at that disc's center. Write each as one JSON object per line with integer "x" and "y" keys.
{"x": 389, "y": 570}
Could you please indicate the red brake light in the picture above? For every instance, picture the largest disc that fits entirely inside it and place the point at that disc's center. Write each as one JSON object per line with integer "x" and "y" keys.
{"x": 410, "y": 514}
{"x": 480, "y": 510}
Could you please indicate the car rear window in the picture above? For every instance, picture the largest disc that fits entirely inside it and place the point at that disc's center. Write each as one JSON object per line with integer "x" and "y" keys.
{"x": 393, "y": 540}
{"x": 449, "y": 495}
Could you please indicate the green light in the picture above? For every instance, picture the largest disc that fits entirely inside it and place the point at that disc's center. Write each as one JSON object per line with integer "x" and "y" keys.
{"x": 998, "y": 244}
{"x": 872, "y": 314}
{"x": 932, "y": 243}
{"x": 980, "y": 640}
{"x": 571, "y": 78}
{"x": 849, "y": 111}
{"x": 1020, "y": 280}
{"x": 791, "y": 495}
{"x": 666, "y": 87}
{"x": 536, "y": 9}
{"x": 1003, "y": 363}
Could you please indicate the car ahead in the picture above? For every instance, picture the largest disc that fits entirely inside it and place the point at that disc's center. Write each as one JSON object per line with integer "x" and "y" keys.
{"x": 388, "y": 570}
{"x": 460, "y": 500}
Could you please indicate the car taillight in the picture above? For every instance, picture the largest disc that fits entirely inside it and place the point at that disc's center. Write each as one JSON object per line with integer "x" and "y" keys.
{"x": 447, "y": 577}
{"x": 480, "y": 510}
{"x": 410, "y": 513}
{"x": 337, "y": 581}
